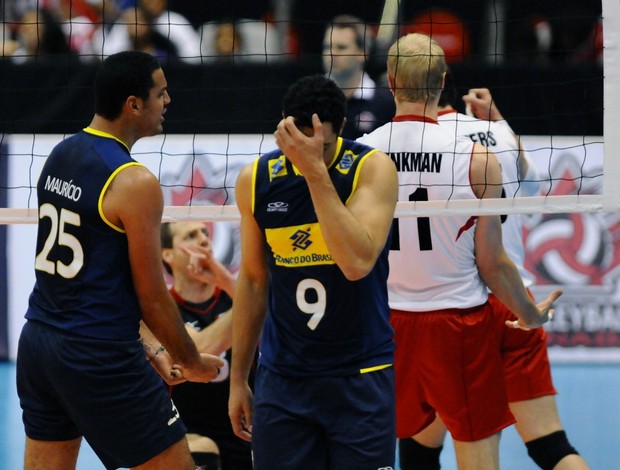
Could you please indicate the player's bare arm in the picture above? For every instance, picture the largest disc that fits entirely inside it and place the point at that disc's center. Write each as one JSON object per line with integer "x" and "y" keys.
{"x": 359, "y": 238}
{"x": 249, "y": 309}
{"x": 495, "y": 267}
{"x": 159, "y": 358}
{"x": 355, "y": 233}
{"x": 141, "y": 220}
{"x": 215, "y": 338}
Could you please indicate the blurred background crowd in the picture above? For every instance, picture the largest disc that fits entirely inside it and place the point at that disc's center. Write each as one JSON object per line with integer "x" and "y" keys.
{"x": 196, "y": 32}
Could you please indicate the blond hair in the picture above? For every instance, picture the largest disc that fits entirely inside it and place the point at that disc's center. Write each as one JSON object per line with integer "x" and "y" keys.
{"x": 416, "y": 65}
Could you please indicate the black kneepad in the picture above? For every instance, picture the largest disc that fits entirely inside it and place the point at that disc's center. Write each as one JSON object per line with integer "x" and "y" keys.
{"x": 206, "y": 460}
{"x": 548, "y": 450}
{"x": 413, "y": 455}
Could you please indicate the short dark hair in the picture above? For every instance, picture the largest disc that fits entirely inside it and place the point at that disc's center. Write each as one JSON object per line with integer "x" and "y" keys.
{"x": 315, "y": 94}
{"x": 363, "y": 33}
{"x": 165, "y": 235}
{"x": 125, "y": 74}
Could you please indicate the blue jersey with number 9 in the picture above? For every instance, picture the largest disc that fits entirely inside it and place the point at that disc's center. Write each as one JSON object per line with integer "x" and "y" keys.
{"x": 319, "y": 323}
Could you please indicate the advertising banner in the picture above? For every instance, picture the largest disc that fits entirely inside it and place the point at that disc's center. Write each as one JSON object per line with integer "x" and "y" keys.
{"x": 579, "y": 252}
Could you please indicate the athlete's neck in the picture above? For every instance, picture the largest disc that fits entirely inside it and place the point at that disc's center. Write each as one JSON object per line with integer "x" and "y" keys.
{"x": 193, "y": 291}
{"x": 407, "y": 108}
{"x": 117, "y": 128}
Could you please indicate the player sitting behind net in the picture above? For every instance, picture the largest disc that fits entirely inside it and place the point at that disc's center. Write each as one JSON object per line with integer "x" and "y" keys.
{"x": 203, "y": 289}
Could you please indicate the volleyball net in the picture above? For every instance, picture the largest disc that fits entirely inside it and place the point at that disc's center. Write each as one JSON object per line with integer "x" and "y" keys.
{"x": 572, "y": 225}
{"x": 576, "y": 173}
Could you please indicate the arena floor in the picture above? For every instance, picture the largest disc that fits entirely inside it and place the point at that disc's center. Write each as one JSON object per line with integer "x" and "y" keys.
{"x": 589, "y": 403}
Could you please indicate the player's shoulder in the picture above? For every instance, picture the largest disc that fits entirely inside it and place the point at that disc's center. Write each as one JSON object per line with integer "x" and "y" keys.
{"x": 454, "y": 119}
{"x": 355, "y": 146}
{"x": 377, "y": 136}
{"x": 466, "y": 124}
{"x": 74, "y": 140}
{"x": 367, "y": 151}
{"x": 269, "y": 155}
{"x": 136, "y": 179}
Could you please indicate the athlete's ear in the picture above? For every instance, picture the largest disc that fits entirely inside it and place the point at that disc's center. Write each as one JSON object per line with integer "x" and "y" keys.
{"x": 132, "y": 102}
{"x": 166, "y": 255}
{"x": 344, "y": 121}
{"x": 390, "y": 80}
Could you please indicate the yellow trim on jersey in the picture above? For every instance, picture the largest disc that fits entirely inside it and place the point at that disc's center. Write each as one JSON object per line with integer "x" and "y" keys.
{"x": 253, "y": 188}
{"x": 374, "y": 368}
{"x": 357, "y": 173}
{"x": 104, "y": 189}
{"x": 298, "y": 245}
{"x": 90, "y": 130}
{"x": 337, "y": 152}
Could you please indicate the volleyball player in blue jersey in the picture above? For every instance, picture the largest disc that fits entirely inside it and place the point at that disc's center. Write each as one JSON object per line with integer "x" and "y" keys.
{"x": 81, "y": 368}
{"x": 315, "y": 222}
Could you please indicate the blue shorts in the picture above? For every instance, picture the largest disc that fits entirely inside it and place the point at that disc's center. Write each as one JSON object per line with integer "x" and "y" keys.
{"x": 324, "y": 422}
{"x": 71, "y": 386}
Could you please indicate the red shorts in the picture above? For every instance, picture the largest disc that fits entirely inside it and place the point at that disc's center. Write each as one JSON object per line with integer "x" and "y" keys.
{"x": 449, "y": 362}
{"x": 526, "y": 363}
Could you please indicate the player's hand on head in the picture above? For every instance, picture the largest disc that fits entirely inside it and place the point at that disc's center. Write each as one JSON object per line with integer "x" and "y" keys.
{"x": 301, "y": 148}
{"x": 317, "y": 125}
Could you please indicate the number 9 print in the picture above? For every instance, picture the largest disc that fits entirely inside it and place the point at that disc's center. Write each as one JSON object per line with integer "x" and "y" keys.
{"x": 316, "y": 309}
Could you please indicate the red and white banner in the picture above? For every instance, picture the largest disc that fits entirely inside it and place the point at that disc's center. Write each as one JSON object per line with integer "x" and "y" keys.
{"x": 579, "y": 252}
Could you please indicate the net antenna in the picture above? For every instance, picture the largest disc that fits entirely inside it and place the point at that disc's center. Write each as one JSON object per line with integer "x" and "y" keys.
{"x": 611, "y": 92}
